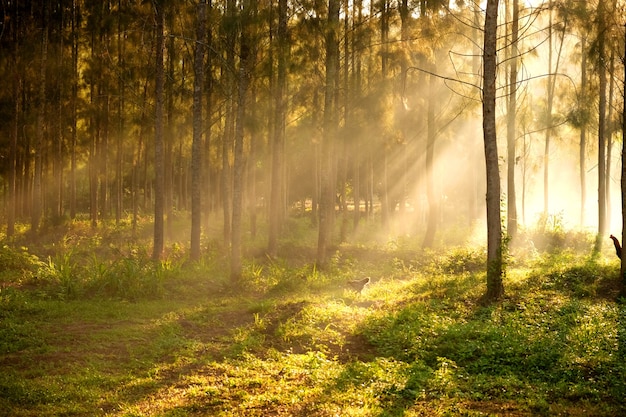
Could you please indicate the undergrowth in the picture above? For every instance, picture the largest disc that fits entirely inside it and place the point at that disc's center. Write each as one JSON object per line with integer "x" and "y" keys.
{"x": 98, "y": 328}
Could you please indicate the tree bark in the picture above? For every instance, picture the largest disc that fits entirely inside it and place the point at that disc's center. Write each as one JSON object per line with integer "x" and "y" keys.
{"x": 245, "y": 67}
{"x": 511, "y": 128}
{"x": 278, "y": 145}
{"x": 495, "y": 267}
{"x": 327, "y": 200}
{"x": 196, "y": 146}
{"x": 433, "y": 203}
{"x": 159, "y": 183}
{"x": 601, "y": 128}
{"x": 623, "y": 178}
{"x": 37, "y": 197}
{"x": 583, "y": 133}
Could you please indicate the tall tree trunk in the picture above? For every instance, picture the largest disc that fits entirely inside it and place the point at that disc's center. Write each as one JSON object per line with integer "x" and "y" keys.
{"x": 159, "y": 183}
{"x": 384, "y": 64}
{"x": 278, "y": 143}
{"x": 582, "y": 157}
{"x": 74, "y": 105}
{"x": 196, "y": 147}
{"x": 246, "y": 61}
{"x": 37, "y": 197}
{"x": 623, "y": 178}
{"x": 58, "y": 154}
{"x": 601, "y": 127}
{"x": 170, "y": 128}
{"x": 207, "y": 171}
{"x": 433, "y": 201}
{"x": 327, "y": 198}
{"x": 356, "y": 152}
{"x": 15, "y": 125}
{"x": 119, "y": 160}
{"x": 609, "y": 137}
{"x": 229, "y": 127}
{"x": 511, "y": 131}
{"x": 495, "y": 267}
{"x": 550, "y": 102}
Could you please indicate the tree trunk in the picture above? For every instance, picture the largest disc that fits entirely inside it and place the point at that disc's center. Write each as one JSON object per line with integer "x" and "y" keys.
{"x": 74, "y": 104}
{"x": 433, "y": 203}
{"x": 119, "y": 160}
{"x": 37, "y": 197}
{"x": 159, "y": 183}
{"x": 207, "y": 172}
{"x": 601, "y": 129}
{"x": 327, "y": 200}
{"x": 623, "y": 179}
{"x": 278, "y": 144}
{"x": 511, "y": 128}
{"x": 245, "y": 68}
{"x": 196, "y": 147}
{"x": 583, "y": 133}
{"x": 495, "y": 267}
{"x": 609, "y": 138}
{"x": 229, "y": 127}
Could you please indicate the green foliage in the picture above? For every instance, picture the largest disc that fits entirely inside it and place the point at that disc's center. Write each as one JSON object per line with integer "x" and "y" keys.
{"x": 103, "y": 327}
{"x": 18, "y": 265}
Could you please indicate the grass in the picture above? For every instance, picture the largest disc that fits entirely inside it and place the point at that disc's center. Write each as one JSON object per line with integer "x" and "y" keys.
{"x": 96, "y": 328}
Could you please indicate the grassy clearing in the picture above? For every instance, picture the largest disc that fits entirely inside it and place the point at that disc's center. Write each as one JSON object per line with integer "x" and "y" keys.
{"x": 95, "y": 328}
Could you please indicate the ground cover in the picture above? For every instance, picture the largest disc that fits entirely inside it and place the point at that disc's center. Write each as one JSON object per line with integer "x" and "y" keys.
{"x": 92, "y": 327}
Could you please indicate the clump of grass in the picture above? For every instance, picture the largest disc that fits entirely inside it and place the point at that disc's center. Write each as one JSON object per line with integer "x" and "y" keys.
{"x": 19, "y": 265}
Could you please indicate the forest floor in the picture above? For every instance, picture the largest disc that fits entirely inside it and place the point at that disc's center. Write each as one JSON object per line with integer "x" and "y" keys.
{"x": 105, "y": 335}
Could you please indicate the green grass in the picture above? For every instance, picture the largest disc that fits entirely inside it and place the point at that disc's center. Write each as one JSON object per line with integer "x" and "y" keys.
{"x": 96, "y": 328}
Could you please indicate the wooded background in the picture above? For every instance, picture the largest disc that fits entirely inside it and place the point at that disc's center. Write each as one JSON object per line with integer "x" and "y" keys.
{"x": 335, "y": 109}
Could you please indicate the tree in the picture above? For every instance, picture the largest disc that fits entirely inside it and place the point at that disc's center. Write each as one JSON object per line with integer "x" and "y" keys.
{"x": 495, "y": 267}
{"x": 159, "y": 180}
{"x": 327, "y": 198}
{"x": 41, "y": 126}
{"x": 602, "y": 103}
{"x": 511, "y": 129}
{"x": 277, "y": 203}
{"x": 623, "y": 176}
{"x": 245, "y": 68}
{"x": 196, "y": 151}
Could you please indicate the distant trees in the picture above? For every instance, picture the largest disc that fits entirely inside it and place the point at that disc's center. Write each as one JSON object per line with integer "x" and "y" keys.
{"x": 322, "y": 108}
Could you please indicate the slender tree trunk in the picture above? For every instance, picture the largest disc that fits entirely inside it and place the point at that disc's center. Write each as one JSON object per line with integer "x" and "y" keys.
{"x": 246, "y": 62}
{"x": 278, "y": 179}
{"x": 207, "y": 172}
{"x": 582, "y": 157}
{"x": 196, "y": 147}
{"x": 119, "y": 161}
{"x": 74, "y": 105}
{"x": 58, "y": 154}
{"x": 15, "y": 126}
{"x": 623, "y": 178}
{"x": 229, "y": 128}
{"x": 511, "y": 128}
{"x": 495, "y": 267}
{"x": 172, "y": 172}
{"x": 327, "y": 198}
{"x": 609, "y": 137}
{"x": 433, "y": 203}
{"x": 159, "y": 183}
{"x": 37, "y": 197}
{"x": 601, "y": 128}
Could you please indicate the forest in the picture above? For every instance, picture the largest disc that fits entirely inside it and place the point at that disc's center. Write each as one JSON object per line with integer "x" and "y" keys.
{"x": 312, "y": 207}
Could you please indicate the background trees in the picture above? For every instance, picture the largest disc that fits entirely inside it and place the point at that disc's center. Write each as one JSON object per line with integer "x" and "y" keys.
{"x": 320, "y": 108}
